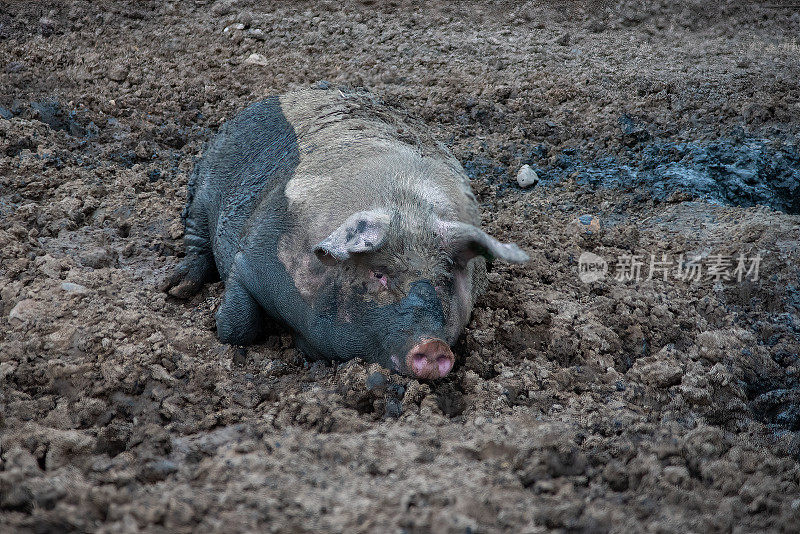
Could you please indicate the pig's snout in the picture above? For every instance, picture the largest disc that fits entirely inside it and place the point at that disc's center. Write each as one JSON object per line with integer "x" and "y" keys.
{"x": 431, "y": 358}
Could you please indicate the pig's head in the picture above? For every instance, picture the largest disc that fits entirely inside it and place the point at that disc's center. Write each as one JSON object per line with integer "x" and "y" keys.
{"x": 405, "y": 281}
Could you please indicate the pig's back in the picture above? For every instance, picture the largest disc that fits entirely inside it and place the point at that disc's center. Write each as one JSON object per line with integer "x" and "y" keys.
{"x": 355, "y": 153}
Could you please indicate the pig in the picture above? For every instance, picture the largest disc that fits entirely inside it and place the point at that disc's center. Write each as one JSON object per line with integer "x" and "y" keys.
{"x": 344, "y": 221}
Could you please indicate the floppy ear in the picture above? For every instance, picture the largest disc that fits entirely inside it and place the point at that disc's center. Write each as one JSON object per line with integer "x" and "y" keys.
{"x": 364, "y": 231}
{"x": 468, "y": 241}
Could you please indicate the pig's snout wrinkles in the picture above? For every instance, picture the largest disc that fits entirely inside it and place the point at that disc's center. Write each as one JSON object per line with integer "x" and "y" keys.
{"x": 431, "y": 358}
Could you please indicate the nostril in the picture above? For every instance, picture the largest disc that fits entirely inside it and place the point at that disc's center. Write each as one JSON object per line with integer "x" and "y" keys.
{"x": 419, "y": 360}
{"x": 445, "y": 363}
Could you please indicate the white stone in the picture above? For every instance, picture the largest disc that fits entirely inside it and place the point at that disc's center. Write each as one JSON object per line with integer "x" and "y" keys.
{"x": 256, "y": 59}
{"x": 233, "y": 27}
{"x": 527, "y": 177}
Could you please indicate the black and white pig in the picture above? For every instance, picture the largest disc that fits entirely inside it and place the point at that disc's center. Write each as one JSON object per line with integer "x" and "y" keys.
{"x": 325, "y": 211}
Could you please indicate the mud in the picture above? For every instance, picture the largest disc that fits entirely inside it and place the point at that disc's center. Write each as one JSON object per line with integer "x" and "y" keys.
{"x": 657, "y": 405}
{"x": 743, "y": 172}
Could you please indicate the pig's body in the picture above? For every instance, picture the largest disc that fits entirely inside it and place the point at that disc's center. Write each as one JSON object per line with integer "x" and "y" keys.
{"x": 330, "y": 214}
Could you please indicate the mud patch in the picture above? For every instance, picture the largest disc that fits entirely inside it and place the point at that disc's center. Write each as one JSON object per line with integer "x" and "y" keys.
{"x": 738, "y": 173}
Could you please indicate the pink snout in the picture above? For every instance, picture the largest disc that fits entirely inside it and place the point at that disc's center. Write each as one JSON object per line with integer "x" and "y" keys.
{"x": 431, "y": 358}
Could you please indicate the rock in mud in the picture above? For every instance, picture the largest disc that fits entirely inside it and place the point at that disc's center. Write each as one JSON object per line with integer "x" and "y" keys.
{"x": 24, "y": 310}
{"x": 70, "y": 287}
{"x": 527, "y": 177}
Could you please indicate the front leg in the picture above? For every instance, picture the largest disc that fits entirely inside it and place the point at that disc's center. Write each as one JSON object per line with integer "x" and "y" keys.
{"x": 239, "y": 317}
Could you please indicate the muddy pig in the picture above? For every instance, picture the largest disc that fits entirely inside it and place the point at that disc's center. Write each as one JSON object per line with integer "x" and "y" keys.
{"x": 333, "y": 215}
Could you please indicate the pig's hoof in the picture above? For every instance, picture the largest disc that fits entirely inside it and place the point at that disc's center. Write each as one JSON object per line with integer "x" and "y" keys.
{"x": 185, "y": 289}
{"x": 431, "y": 358}
{"x": 179, "y": 285}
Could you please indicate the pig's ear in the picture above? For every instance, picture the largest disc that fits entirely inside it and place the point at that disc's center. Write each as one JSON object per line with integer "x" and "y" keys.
{"x": 364, "y": 231}
{"x": 467, "y": 241}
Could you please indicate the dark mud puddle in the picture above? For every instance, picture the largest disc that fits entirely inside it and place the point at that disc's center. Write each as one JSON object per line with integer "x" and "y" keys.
{"x": 742, "y": 172}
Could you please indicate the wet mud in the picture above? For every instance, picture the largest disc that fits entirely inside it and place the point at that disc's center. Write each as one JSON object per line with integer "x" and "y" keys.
{"x": 645, "y": 403}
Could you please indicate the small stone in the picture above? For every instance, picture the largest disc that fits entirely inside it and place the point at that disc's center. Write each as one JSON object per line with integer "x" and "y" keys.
{"x": 49, "y": 266}
{"x": 24, "y": 310}
{"x": 257, "y": 34}
{"x": 536, "y": 313}
{"x": 394, "y": 409}
{"x": 156, "y": 470}
{"x": 256, "y": 59}
{"x": 117, "y": 73}
{"x": 233, "y": 27}
{"x": 141, "y": 151}
{"x": 527, "y": 177}
{"x": 596, "y": 26}
{"x": 633, "y": 131}
{"x": 563, "y": 40}
{"x": 222, "y": 8}
{"x": 240, "y": 356}
{"x": 96, "y": 258}
{"x": 176, "y": 230}
{"x": 660, "y": 373}
{"x": 69, "y": 287}
{"x": 376, "y": 380}
{"x": 246, "y": 18}
{"x": 18, "y": 499}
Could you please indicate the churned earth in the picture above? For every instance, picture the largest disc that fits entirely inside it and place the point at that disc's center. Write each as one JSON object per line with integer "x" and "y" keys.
{"x": 661, "y": 131}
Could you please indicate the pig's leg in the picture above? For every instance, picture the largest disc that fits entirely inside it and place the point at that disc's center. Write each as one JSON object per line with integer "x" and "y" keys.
{"x": 239, "y": 320}
{"x": 198, "y": 266}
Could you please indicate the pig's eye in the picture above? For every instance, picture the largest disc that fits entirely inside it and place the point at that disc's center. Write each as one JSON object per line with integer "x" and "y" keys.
{"x": 381, "y": 277}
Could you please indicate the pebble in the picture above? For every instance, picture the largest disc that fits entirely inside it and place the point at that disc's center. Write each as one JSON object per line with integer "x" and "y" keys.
{"x": 527, "y": 177}
{"x": 233, "y": 27}
{"x": 676, "y": 475}
{"x": 96, "y": 258}
{"x": 70, "y": 287}
{"x": 240, "y": 356}
{"x": 117, "y": 73}
{"x": 394, "y": 409}
{"x": 256, "y": 33}
{"x": 256, "y": 59}
{"x": 157, "y": 470}
{"x": 376, "y": 380}
{"x": 222, "y": 8}
{"x": 246, "y": 18}
{"x": 24, "y": 310}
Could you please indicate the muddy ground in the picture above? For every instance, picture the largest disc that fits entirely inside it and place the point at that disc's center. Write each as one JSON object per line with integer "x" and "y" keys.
{"x": 650, "y": 405}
